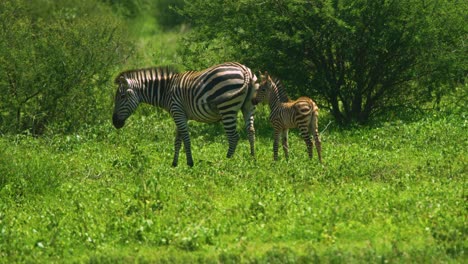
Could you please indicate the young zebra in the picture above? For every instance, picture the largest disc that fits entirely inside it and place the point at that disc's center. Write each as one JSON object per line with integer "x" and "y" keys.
{"x": 212, "y": 95}
{"x": 286, "y": 114}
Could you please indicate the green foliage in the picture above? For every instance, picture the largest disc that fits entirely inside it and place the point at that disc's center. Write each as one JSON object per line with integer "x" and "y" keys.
{"x": 130, "y": 9}
{"x": 361, "y": 57}
{"x": 167, "y": 15}
{"x": 392, "y": 193}
{"x": 56, "y": 62}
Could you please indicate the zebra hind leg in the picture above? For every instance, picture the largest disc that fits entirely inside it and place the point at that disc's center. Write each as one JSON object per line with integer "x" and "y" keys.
{"x": 284, "y": 138}
{"x": 182, "y": 135}
{"x": 306, "y": 136}
{"x": 318, "y": 146}
{"x": 229, "y": 123}
{"x": 276, "y": 137}
{"x": 314, "y": 129}
{"x": 249, "y": 125}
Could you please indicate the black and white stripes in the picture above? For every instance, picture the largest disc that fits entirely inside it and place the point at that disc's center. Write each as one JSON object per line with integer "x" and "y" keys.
{"x": 285, "y": 114}
{"x": 213, "y": 95}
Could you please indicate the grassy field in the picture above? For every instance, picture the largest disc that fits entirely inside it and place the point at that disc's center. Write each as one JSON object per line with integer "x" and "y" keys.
{"x": 391, "y": 193}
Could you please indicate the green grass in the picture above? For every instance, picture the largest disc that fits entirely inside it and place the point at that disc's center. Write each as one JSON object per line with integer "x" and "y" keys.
{"x": 390, "y": 193}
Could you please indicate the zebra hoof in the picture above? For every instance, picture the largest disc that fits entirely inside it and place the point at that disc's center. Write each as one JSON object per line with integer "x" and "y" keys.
{"x": 190, "y": 163}
{"x": 174, "y": 164}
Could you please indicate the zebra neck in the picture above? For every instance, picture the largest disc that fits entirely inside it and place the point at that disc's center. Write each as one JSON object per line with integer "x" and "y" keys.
{"x": 154, "y": 93}
{"x": 275, "y": 99}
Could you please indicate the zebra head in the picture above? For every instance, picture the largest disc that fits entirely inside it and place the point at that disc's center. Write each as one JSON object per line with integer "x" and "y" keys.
{"x": 126, "y": 101}
{"x": 265, "y": 86}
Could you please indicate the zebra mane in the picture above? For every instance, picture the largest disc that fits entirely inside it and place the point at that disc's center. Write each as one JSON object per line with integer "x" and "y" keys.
{"x": 283, "y": 96}
{"x": 152, "y": 71}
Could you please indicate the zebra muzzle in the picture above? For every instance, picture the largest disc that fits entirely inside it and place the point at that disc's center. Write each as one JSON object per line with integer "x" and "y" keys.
{"x": 118, "y": 123}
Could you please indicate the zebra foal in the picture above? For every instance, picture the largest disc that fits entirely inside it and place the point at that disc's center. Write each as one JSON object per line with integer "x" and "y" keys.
{"x": 212, "y": 95}
{"x": 285, "y": 114}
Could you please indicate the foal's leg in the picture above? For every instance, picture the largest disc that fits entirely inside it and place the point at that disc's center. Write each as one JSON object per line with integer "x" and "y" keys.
{"x": 276, "y": 137}
{"x": 284, "y": 136}
{"x": 305, "y": 133}
{"x": 315, "y": 133}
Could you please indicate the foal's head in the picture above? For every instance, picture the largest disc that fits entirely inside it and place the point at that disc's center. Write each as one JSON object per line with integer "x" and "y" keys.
{"x": 266, "y": 84}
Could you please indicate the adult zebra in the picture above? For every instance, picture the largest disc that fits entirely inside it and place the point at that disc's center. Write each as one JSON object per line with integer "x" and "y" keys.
{"x": 212, "y": 95}
{"x": 285, "y": 114}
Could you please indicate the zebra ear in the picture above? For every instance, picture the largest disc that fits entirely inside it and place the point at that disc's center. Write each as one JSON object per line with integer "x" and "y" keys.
{"x": 120, "y": 80}
{"x": 260, "y": 75}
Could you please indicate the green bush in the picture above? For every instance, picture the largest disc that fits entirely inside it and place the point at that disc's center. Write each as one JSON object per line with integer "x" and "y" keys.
{"x": 56, "y": 60}
{"x": 359, "y": 58}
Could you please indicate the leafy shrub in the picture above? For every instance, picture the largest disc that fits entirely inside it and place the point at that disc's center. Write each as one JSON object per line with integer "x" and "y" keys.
{"x": 56, "y": 60}
{"x": 360, "y": 57}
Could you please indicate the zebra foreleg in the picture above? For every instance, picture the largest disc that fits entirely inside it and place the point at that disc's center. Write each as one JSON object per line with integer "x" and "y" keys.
{"x": 188, "y": 149}
{"x": 182, "y": 135}
{"x": 177, "y": 146}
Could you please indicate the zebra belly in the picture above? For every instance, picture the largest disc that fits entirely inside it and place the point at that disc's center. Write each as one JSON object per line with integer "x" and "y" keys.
{"x": 209, "y": 111}
{"x": 288, "y": 124}
{"x": 204, "y": 113}
{"x": 283, "y": 119}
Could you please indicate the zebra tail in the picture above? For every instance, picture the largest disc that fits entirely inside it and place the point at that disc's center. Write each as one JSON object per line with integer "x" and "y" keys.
{"x": 249, "y": 84}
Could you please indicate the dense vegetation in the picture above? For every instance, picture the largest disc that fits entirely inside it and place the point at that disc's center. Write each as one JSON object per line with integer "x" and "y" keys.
{"x": 362, "y": 58}
{"x": 74, "y": 189}
{"x": 56, "y": 57}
